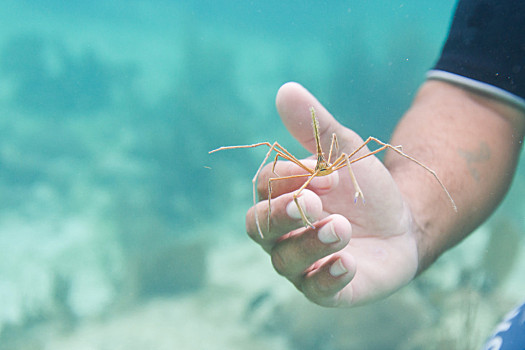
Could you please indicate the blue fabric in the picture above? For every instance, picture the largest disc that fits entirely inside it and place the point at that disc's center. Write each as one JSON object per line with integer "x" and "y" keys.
{"x": 510, "y": 334}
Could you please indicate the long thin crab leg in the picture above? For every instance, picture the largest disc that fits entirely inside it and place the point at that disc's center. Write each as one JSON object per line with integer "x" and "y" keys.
{"x": 332, "y": 144}
{"x": 281, "y": 152}
{"x": 270, "y": 191}
{"x": 254, "y": 185}
{"x": 358, "y": 193}
{"x": 339, "y": 163}
{"x": 296, "y": 195}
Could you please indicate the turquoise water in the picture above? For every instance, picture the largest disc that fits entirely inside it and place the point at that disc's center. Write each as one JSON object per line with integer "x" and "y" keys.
{"x": 114, "y": 231}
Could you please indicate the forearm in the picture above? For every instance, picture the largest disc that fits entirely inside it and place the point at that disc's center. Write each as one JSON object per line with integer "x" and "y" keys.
{"x": 472, "y": 143}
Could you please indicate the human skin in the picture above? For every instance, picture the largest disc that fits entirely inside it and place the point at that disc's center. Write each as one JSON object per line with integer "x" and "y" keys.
{"x": 359, "y": 252}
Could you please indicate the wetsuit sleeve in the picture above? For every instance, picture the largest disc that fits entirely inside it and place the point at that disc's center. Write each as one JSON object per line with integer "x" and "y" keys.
{"x": 485, "y": 49}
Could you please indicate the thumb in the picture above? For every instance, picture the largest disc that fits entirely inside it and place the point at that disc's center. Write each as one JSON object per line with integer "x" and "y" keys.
{"x": 293, "y": 104}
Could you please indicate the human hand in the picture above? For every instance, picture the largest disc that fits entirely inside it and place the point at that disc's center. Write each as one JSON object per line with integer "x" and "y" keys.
{"x": 356, "y": 252}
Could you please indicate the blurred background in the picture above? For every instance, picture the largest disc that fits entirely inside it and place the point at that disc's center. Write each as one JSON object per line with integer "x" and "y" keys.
{"x": 116, "y": 234}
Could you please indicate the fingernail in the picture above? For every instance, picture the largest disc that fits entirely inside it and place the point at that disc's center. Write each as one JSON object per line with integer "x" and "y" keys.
{"x": 338, "y": 269}
{"x": 327, "y": 234}
{"x": 323, "y": 182}
{"x": 292, "y": 210}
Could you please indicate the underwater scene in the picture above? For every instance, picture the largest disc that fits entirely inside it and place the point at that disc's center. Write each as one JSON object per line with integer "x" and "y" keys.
{"x": 119, "y": 231}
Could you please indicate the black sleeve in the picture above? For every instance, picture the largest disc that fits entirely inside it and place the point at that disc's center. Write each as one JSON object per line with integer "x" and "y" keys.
{"x": 486, "y": 45}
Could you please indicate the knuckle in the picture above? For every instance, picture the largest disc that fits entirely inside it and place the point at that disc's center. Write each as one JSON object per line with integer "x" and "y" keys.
{"x": 318, "y": 294}
{"x": 311, "y": 290}
{"x": 262, "y": 181}
{"x": 279, "y": 264}
{"x": 252, "y": 228}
